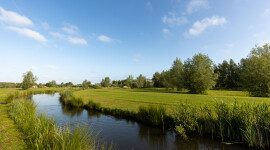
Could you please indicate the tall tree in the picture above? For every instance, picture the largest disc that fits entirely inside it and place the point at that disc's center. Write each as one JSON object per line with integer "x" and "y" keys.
{"x": 255, "y": 71}
{"x": 129, "y": 81}
{"x": 176, "y": 74}
{"x": 199, "y": 73}
{"x": 141, "y": 80}
{"x": 28, "y": 80}
{"x": 106, "y": 82}
{"x": 157, "y": 80}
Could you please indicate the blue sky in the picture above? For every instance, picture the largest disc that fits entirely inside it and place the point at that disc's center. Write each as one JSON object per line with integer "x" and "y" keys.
{"x": 76, "y": 40}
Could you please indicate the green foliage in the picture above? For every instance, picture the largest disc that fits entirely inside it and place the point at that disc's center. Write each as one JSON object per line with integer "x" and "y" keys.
{"x": 246, "y": 123}
{"x": 255, "y": 71}
{"x": 141, "y": 80}
{"x": 154, "y": 115}
{"x": 28, "y": 80}
{"x": 97, "y": 86}
{"x": 176, "y": 74}
{"x": 228, "y": 75}
{"x": 51, "y": 84}
{"x": 86, "y": 84}
{"x": 106, "y": 82}
{"x": 8, "y": 85}
{"x": 199, "y": 74}
{"x": 129, "y": 81}
{"x": 41, "y": 133}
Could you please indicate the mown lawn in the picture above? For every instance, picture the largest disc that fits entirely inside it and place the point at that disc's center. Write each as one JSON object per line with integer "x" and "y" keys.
{"x": 131, "y": 99}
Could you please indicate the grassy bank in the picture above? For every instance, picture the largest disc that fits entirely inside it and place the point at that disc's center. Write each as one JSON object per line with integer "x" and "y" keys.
{"x": 41, "y": 132}
{"x": 10, "y": 136}
{"x": 230, "y": 118}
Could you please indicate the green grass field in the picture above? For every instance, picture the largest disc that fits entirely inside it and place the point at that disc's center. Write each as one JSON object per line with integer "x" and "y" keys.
{"x": 131, "y": 99}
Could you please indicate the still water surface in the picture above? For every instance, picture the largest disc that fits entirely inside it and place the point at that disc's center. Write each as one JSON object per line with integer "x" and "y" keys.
{"x": 124, "y": 133}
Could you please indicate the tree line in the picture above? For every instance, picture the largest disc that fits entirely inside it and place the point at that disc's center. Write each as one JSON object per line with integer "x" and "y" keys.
{"x": 196, "y": 74}
{"x": 199, "y": 73}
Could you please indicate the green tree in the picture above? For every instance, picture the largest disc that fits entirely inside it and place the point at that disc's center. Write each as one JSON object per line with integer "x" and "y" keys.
{"x": 129, "y": 81}
{"x": 228, "y": 74}
{"x": 86, "y": 84}
{"x": 141, "y": 80}
{"x": 106, "y": 82}
{"x": 255, "y": 71}
{"x": 51, "y": 84}
{"x": 157, "y": 80}
{"x": 199, "y": 74}
{"x": 176, "y": 74}
{"x": 28, "y": 80}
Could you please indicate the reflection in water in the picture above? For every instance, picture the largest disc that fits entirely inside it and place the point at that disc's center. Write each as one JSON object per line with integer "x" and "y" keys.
{"x": 126, "y": 134}
{"x": 154, "y": 136}
{"x": 69, "y": 111}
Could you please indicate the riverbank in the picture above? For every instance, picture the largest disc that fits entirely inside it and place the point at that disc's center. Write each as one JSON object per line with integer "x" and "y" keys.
{"x": 23, "y": 128}
{"x": 242, "y": 120}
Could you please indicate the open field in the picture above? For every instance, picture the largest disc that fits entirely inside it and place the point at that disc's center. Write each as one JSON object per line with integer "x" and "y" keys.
{"x": 131, "y": 99}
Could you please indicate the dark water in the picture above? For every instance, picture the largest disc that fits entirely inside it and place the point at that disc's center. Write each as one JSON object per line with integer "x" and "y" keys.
{"x": 124, "y": 133}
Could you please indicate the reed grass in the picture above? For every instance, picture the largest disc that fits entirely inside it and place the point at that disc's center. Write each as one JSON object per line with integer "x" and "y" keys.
{"x": 41, "y": 132}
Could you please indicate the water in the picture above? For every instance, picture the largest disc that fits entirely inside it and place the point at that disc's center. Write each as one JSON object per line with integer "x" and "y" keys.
{"x": 124, "y": 133}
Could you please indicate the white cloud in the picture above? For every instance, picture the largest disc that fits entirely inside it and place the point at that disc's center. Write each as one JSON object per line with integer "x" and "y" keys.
{"x": 72, "y": 40}
{"x": 173, "y": 20}
{"x": 57, "y": 35}
{"x": 53, "y": 67}
{"x": 104, "y": 38}
{"x": 29, "y": 33}
{"x": 165, "y": 32}
{"x": 138, "y": 58}
{"x": 14, "y": 18}
{"x": 45, "y": 25}
{"x": 149, "y": 6}
{"x": 76, "y": 40}
{"x": 200, "y": 26}
{"x": 195, "y": 5}
{"x": 70, "y": 29}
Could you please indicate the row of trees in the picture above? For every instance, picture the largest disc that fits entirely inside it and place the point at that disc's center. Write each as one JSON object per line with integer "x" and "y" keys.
{"x": 200, "y": 74}
{"x": 139, "y": 82}
{"x": 197, "y": 74}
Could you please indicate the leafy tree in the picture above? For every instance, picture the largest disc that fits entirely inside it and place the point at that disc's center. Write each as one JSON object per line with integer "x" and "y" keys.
{"x": 255, "y": 71}
{"x": 28, "y": 80}
{"x": 175, "y": 75}
{"x": 228, "y": 74}
{"x": 141, "y": 80}
{"x": 69, "y": 84}
{"x": 199, "y": 73}
{"x": 86, "y": 84}
{"x": 157, "y": 80}
{"x": 115, "y": 83}
{"x": 106, "y": 82}
{"x": 165, "y": 79}
{"x": 51, "y": 84}
{"x": 129, "y": 81}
